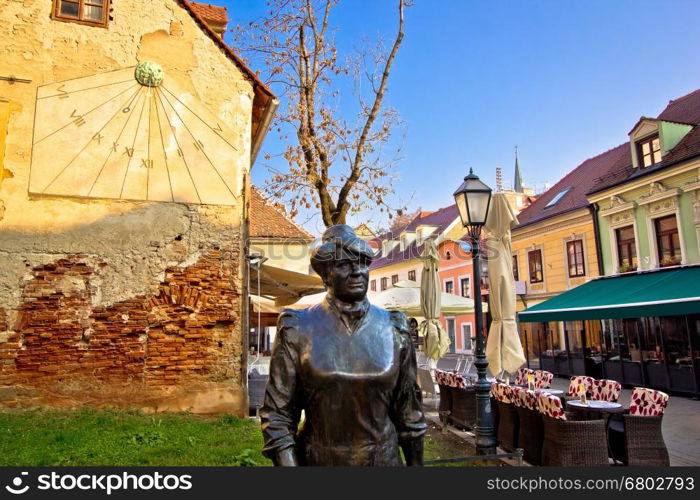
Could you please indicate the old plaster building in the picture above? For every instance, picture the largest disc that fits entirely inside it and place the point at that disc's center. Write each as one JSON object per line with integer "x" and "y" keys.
{"x": 127, "y": 134}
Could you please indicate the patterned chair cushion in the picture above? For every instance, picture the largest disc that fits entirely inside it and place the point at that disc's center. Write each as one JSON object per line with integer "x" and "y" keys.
{"x": 502, "y": 392}
{"x": 521, "y": 376}
{"x": 543, "y": 379}
{"x": 550, "y": 406}
{"x": 606, "y": 390}
{"x": 528, "y": 399}
{"x": 513, "y": 393}
{"x": 576, "y": 382}
{"x": 647, "y": 402}
{"x": 451, "y": 379}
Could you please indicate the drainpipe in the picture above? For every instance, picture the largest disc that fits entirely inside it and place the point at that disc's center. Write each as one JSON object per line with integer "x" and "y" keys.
{"x": 596, "y": 233}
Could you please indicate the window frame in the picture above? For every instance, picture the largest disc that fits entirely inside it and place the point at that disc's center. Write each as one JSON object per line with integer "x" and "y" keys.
{"x": 516, "y": 268}
{"x": 103, "y": 23}
{"x": 394, "y": 279}
{"x": 631, "y": 244}
{"x": 467, "y": 339}
{"x": 452, "y": 285}
{"x": 662, "y": 235}
{"x": 530, "y": 267}
{"x": 468, "y": 279}
{"x": 412, "y": 275}
{"x": 384, "y": 283}
{"x": 652, "y": 152}
{"x": 373, "y": 285}
{"x": 582, "y": 255}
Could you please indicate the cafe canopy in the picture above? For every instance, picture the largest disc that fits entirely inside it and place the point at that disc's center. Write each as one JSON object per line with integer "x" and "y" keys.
{"x": 667, "y": 292}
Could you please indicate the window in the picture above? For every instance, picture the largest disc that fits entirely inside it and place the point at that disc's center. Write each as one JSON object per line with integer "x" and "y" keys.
{"x": 574, "y": 253}
{"x": 558, "y": 197}
{"x": 412, "y": 275}
{"x": 373, "y": 285}
{"x": 668, "y": 243}
{"x": 464, "y": 287}
{"x": 467, "y": 336}
{"x": 94, "y": 12}
{"x": 394, "y": 279}
{"x": 516, "y": 273}
{"x": 649, "y": 151}
{"x": 626, "y": 249}
{"x": 449, "y": 287}
{"x": 384, "y": 283}
{"x": 534, "y": 259}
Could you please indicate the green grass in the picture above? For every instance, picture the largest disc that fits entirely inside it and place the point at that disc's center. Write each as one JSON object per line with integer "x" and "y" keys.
{"x": 128, "y": 438}
{"x": 123, "y": 438}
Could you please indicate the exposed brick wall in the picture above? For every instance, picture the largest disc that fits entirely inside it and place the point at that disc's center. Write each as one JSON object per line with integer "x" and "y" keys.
{"x": 188, "y": 332}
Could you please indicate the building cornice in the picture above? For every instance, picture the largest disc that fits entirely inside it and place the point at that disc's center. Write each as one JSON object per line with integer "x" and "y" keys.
{"x": 568, "y": 220}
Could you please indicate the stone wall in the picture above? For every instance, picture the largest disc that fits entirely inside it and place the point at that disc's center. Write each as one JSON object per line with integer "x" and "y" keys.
{"x": 113, "y": 302}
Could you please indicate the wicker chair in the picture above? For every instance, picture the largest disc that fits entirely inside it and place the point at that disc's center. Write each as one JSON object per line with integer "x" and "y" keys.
{"x": 463, "y": 407}
{"x": 521, "y": 376}
{"x": 507, "y": 434}
{"x": 257, "y": 384}
{"x": 445, "y": 405}
{"x": 606, "y": 390}
{"x": 575, "y": 386}
{"x": 530, "y": 429}
{"x": 570, "y": 443}
{"x": 543, "y": 379}
{"x": 636, "y": 439}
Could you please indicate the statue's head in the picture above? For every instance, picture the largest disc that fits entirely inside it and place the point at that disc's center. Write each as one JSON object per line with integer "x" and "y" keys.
{"x": 342, "y": 260}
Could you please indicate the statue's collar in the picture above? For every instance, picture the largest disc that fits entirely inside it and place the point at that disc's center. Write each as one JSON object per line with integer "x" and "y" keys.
{"x": 351, "y": 314}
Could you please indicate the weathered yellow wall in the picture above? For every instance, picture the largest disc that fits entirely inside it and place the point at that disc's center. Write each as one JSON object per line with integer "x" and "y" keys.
{"x": 551, "y": 234}
{"x": 136, "y": 240}
{"x": 286, "y": 255}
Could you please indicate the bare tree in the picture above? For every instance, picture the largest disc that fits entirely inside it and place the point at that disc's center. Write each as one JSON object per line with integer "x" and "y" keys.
{"x": 337, "y": 165}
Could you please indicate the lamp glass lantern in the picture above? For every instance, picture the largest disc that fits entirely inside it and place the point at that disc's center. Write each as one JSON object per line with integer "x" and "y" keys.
{"x": 473, "y": 198}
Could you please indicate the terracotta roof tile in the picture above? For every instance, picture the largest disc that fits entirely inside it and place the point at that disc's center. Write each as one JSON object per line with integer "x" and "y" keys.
{"x": 441, "y": 219}
{"x": 210, "y": 12}
{"x": 270, "y": 221}
{"x": 686, "y": 110}
{"x": 578, "y": 182}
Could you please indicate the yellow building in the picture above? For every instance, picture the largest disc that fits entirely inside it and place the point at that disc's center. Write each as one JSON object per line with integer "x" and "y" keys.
{"x": 128, "y": 130}
{"x": 555, "y": 248}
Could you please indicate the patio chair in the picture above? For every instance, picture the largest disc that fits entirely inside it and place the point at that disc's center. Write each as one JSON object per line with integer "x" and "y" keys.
{"x": 530, "y": 429}
{"x": 521, "y": 376}
{"x": 543, "y": 379}
{"x": 426, "y": 383}
{"x": 637, "y": 439}
{"x": 606, "y": 390}
{"x": 507, "y": 434}
{"x": 575, "y": 384}
{"x": 463, "y": 403}
{"x": 445, "y": 405}
{"x": 570, "y": 443}
{"x": 257, "y": 384}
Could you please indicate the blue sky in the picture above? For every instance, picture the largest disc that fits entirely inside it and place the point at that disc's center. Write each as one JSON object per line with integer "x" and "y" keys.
{"x": 564, "y": 80}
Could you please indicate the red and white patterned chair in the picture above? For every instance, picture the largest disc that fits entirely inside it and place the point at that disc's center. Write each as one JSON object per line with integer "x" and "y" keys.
{"x": 530, "y": 430}
{"x": 606, "y": 390}
{"x": 575, "y": 384}
{"x": 543, "y": 379}
{"x": 521, "y": 376}
{"x": 637, "y": 438}
{"x": 507, "y": 434}
{"x": 570, "y": 442}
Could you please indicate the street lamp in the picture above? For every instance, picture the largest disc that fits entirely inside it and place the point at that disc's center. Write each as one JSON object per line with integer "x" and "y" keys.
{"x": 473, "y": 198}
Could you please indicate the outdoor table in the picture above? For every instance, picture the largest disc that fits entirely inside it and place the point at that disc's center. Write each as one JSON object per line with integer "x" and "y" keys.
{"x": 594, "y": 409}
{"x": 553, "y": 392}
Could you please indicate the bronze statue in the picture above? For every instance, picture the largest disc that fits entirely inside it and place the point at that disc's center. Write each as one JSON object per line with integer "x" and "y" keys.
{"x": 350, "y": 366}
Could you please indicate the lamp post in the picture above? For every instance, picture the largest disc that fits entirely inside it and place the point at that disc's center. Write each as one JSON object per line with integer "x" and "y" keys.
{"x": 473, "y": 198}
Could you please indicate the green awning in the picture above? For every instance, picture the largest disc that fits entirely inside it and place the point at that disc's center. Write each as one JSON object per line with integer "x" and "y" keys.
{"x": 670, "y": 292}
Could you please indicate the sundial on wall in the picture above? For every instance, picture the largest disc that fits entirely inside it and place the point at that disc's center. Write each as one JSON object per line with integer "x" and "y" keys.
{"x": 130, "y": 134}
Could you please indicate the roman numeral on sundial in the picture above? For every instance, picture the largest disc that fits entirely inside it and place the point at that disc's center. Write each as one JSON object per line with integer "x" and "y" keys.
{"x": 146, "y": 163}
{"x": 79, "y": 121}
{"x": 199, "y": 145}
{"x": 114, "y": 147}
{"x": 97, "y": 137}
{"x": 218, "y": 129}
{"x": 128, "y": 151}
{"x": 64, "y": 94}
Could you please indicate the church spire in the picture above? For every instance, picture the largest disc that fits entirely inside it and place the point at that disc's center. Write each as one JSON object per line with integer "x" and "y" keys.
{"x": 518, "y": 184}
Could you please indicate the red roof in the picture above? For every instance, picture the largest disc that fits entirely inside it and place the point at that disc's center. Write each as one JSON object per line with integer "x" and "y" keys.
{"x": 269, "y": 220}
{"x": 210, "y": 12}
{"x": 685, "y": 109}
{"x": 440, "y": 219}
{"x": 578, "y": 182}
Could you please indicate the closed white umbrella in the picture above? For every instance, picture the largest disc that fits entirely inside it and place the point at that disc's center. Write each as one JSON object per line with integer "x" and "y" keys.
{"x": 504, "y": 351}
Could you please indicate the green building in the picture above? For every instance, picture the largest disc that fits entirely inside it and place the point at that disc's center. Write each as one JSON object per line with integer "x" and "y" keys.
{"x": 640, "y": 322}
